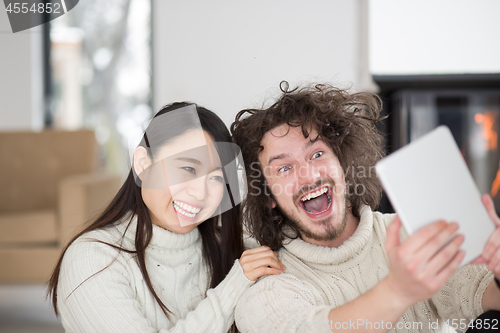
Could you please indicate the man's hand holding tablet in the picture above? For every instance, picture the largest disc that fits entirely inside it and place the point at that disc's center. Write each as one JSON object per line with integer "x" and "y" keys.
{"x": 449, "y": 223}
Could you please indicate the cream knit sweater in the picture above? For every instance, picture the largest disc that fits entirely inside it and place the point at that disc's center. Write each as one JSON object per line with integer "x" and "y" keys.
{"x": 318, "y": 279}
{"x": 102, "y": 290}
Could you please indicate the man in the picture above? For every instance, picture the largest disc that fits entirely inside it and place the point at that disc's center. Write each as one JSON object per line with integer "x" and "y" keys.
{"x": 312, "y": 188}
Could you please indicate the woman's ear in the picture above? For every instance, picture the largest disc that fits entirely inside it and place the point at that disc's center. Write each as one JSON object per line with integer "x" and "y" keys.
{"x": 141, "y": 160}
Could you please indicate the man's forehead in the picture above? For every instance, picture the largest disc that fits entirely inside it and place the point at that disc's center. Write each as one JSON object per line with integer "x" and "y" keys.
{"x": 286, "y": 133}
{"x": 291, "y": 131}
{"x": 284, "y": 138}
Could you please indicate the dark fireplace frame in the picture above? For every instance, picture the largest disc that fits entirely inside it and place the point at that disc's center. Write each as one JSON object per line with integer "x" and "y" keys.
{"x": 392, "y": 84}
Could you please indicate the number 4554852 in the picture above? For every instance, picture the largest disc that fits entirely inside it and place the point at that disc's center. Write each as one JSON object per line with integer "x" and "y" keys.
{"x": 35, "y": 8}
{"x": 478, "y": 324}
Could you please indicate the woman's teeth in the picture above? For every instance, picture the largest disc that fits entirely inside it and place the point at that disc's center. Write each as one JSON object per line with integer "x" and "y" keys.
{"x": 185, "y": 209}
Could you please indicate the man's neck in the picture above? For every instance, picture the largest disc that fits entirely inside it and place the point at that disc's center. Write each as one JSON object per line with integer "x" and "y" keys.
{"x": 350, "y": 228}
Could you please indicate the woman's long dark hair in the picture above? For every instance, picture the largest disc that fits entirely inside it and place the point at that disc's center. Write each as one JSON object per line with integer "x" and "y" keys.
{"x": 222, "y": 244}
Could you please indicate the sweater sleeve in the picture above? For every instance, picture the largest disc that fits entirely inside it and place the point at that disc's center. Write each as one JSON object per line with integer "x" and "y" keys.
{"x": 96, "y": 294}
{"x": 461, "y": 296}
{"x": 281, "y": 303}
{"x": 216, "y": 312}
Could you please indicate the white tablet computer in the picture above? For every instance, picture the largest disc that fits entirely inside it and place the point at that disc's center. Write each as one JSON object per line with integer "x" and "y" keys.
{"x": 428, "y": 180}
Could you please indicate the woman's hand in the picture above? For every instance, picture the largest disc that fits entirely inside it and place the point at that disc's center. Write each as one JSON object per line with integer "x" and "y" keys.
{"x": 260, "y": 261}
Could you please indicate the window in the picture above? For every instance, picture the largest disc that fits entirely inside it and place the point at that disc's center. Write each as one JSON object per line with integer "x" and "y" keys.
{"x": 100, "y": 62}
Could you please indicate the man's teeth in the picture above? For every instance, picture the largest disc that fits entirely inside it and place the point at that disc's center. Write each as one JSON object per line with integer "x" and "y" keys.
{"x": 186, "y": 209}
{"x": 314, "y": 194}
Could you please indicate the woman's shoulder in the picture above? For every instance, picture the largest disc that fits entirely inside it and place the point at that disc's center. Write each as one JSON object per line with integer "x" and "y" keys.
{"x": 93, "y": 263}
{"x": 109, "y": 234}
{"x": 100, "y": 246}
{"x": 96, "y": 256}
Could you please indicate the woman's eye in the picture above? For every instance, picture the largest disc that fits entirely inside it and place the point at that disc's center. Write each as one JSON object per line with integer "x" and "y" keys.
{"x": 284, "y": 169}
{"x": 317, "y": 154}
{"x": 190, "y": 170}
{"x": 218, "y": 178}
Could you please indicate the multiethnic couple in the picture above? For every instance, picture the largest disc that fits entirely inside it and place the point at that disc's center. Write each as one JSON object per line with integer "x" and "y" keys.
{"x": 170, "y": 253}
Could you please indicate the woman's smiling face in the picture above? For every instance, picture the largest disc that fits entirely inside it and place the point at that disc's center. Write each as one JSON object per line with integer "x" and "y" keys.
{"x": 185, "y": 185}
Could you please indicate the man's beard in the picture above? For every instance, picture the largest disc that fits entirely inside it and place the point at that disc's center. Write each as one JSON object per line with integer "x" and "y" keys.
{"x": 330, "y": 232}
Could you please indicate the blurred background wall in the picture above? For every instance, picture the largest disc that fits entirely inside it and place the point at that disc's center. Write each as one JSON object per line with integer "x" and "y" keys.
{"x": 434, "y": 37}
{"x": 231, "y": 55}
{"x": 21, "y": 77}
{"x": 113, "y": 63}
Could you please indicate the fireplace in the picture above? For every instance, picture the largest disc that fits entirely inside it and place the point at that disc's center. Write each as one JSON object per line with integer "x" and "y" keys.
{"x": 468, "y": 104}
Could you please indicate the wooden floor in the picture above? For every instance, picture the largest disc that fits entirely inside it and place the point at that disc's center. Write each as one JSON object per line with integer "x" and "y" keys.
{"x": 24, "y": 309}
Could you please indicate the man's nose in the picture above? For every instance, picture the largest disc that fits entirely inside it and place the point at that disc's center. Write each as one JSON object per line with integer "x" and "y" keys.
{"x": 307, "y": 174}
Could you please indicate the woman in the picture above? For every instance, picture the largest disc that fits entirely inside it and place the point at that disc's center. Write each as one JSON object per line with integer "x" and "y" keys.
{"x": 163, "y": 255}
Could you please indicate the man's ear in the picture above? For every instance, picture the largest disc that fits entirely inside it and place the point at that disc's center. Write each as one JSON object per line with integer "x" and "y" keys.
{"x": 141, "y": 160}
{"x": 271, "y": 203}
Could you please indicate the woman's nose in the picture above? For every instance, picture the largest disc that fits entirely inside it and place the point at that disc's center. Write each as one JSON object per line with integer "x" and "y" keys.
{"x": 198, "y": 188}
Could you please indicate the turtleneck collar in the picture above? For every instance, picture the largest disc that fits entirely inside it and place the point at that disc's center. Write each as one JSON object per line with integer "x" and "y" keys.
{"x": 332, "y": 256}
{"x": 162, "y": 238}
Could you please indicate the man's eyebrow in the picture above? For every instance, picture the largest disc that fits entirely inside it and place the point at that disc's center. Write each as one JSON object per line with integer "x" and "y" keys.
{"x": 277, "y": 157}
{"x": 311, "y": 142}
{"x": 307, "y": 145}
{"x": 317, "y": 138}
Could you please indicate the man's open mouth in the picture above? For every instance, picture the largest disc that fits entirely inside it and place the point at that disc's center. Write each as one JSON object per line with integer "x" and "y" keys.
{"x": 317, "y": 201}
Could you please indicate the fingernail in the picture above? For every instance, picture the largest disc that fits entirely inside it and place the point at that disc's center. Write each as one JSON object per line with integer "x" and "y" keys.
{"x": 283, "y": 266}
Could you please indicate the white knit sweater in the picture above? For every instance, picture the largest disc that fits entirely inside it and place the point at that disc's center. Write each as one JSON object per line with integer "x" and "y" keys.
{"x": 102, "y": 290}
{"x": 318, "y": 279}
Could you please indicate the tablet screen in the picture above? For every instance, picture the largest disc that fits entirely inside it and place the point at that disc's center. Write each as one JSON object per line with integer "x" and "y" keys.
{"x": 428, "y": 180}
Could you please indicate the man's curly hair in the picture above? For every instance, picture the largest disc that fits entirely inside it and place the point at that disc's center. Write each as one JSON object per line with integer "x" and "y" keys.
{"x": 346, "y": 122}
